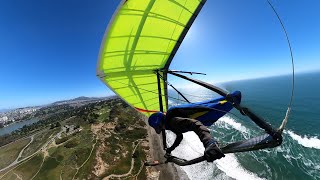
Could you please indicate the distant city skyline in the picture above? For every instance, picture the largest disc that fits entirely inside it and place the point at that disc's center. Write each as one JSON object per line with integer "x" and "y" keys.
{"x": 49, "y": 50}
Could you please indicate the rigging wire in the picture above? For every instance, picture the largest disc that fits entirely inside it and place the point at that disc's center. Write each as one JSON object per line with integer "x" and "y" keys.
{"x": 285, "y": 120}
{"x": 197, "y": 96}
{"x": 185, "y": 100}
{"x": 164, "y": 80}
{"x": 293, "y": 78}
{"x": 178, "y": 99}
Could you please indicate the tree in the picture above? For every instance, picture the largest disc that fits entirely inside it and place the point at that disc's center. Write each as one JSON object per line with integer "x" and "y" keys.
{"x": 92, "y": 118}
{"x": 58, "y": 124}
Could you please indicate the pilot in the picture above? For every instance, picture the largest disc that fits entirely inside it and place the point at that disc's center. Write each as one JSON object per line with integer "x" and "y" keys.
{"x": 177, "y": 120}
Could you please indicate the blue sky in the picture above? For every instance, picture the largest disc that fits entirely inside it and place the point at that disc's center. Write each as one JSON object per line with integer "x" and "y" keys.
{"x": 49, "y": 49}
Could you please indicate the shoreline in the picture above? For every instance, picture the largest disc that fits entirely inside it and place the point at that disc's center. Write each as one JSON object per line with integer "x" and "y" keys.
{"x": 17, "y": 124}
{"x": 164, "y": 171}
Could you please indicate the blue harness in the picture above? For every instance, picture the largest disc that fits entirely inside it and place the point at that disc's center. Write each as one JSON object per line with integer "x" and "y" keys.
{"x": 207, "y": 112}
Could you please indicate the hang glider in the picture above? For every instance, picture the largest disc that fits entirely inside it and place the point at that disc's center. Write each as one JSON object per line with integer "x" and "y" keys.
{"x": 138, "y": 46}
{"x": 142, "y": 39}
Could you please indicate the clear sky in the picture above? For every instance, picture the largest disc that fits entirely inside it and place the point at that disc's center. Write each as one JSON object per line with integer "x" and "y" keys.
{"x": 49, "y": 49}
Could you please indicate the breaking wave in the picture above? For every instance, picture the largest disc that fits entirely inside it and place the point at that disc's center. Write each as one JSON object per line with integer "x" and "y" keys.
{"x": 230, "y": 121}
{"x": 233, "y": 168}
{"x": 226, "y": 168}
{"x": 309, "y": 142}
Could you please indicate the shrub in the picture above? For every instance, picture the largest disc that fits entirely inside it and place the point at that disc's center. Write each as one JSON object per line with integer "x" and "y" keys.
{"x": 72, "y": 143}
{"x": 62, "y": 140}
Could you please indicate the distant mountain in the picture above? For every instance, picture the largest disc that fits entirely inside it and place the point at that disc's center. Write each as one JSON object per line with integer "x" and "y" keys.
{"x": 80, "y": 99}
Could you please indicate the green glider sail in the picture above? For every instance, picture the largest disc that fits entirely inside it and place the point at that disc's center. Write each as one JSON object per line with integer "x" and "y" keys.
{"x": 138, "y": 47}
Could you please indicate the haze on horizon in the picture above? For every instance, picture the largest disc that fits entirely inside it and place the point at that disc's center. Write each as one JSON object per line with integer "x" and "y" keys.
{"x": 49, "y": 50}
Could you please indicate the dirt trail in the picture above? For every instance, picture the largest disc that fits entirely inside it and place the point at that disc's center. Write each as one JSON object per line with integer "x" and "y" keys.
{"x": 86, "y": 159}
{"x": 39, "y": 168}
{"x": 18, "y": 177}
{"x": 95, "y": 128}
{"x": 20, "y": 154}
{"x": 131, "y": 168}
{"x": 18, "y": 163}
{"x": 102, "y": 131}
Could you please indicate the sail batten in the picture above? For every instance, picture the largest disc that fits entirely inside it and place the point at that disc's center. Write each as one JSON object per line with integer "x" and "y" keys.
{"x": 142, "y": 38}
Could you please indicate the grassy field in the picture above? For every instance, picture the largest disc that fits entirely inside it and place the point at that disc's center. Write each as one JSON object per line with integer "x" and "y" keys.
{"x": 140, "y": 157}
{"x": 64, "y": 160}
{"x": 103, "y": 114}
{"x": 24, "y": 171}
{"x": 50, "y": 169}
{"x": 108, "y": 139}
{"x": 85, "y": 170}
{"x": 119, "y": 145}
{"x": 2, "y": 173}
{"x": 10, "y": 152}
{"x": 121, "y": 165}
{"x": 38, "y": 141}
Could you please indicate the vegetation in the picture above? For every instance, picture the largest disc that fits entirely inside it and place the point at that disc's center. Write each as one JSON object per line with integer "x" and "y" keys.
{"x": 62, "y": 140}
{"x": 118, "y": 130}
{"x": 48, "y": 116}
{"x": 72, "y": 143}
{"x": 24, "y": 169}
{"x": 11, "y": 151}
{"x": 85, "y": 172}
{"x": 140, "y": 157}
{"x": 138, "y": 133}
{"x": 64, "y": 160}
{"x": 50, "y": 169}
{"x": 38, "y": 141}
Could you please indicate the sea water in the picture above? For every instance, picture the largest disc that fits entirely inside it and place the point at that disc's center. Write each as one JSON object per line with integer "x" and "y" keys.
{"x": 299, "y": 155}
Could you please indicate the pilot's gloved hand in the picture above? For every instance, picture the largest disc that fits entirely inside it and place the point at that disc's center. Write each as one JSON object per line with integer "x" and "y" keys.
{"x": 213, "y": 152}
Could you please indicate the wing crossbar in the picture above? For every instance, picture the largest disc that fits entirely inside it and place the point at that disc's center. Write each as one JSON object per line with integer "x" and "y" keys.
{"x": 273, "y": 137}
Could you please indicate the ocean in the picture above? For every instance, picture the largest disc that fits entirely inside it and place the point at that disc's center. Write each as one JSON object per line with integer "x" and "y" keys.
{"x": 299, "y": 155}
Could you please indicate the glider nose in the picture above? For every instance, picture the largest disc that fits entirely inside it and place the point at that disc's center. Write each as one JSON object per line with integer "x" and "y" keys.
{"x": 234, "y": 97}
{"x": 237, "y": 95}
